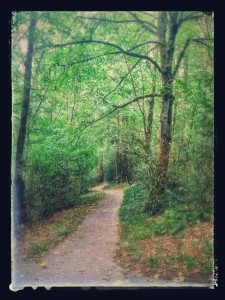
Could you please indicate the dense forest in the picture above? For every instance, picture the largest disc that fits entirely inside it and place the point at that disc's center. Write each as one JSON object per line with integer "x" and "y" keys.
{"x": 116, "y": 97}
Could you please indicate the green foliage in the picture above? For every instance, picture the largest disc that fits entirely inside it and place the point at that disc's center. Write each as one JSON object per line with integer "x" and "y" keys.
{"x": 207, "y": 266}
{"x": 139, "y": 254}
{"x": 133, "y": 203}
{"x": 153, "y": 261}
{"x": 206, "y": 259}
{"x": 65, "y": 143}
{"x": 154, "y": 205}
{"x": 207, "y": 248}
{"x": 61, "y": 228}
{"x": 188, "y": 260}
{"x": 175, "y": 220}
{"x": 172, "y": 194}
{"x": 109, "y": 165}
{"x": 57, "y": 174}
{"x": 37, "y": 248}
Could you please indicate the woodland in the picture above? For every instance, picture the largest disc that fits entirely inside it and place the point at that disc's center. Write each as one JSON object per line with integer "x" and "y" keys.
{"x": 123, "y": 97}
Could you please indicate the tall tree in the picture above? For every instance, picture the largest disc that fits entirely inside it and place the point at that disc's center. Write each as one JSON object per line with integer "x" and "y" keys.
{"x": 19, "y": 196}
{"x": 169, "y": 24}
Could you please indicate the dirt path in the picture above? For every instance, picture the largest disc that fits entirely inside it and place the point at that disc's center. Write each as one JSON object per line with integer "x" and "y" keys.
{"x": 86, "y": 257}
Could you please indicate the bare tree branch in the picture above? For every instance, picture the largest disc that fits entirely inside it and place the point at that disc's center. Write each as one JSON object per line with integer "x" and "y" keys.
{"x": 146, "y": 43}
{"x": 146, "y": 25}
{"x": 40, "y": 103}
{"x": 136, "y": 99}
{"x": 88, "y": 124}
{"x": 150, "y": 15}
{"x": 190, "y": 17}
{"x": 122, "y": 79}
{"x": 88, "y": 59}
{"x": 188, "y": 41}
{"x": 133, "y": 54}
{"x": 180, "y": 57}
{"x": 202, "y": 41}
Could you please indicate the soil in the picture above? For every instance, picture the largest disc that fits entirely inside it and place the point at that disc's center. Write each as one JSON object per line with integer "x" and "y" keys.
{"x": 86, "y": 258}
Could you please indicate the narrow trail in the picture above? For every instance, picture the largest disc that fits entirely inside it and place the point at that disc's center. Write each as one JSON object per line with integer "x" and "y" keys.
{"x": 86, "y": 257}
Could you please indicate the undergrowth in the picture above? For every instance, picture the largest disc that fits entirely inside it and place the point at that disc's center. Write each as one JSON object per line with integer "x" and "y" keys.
{"x": 177, "y": 240}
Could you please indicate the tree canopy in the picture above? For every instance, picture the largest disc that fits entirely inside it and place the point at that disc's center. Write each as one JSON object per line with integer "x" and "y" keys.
{"x": 131, "y": 91}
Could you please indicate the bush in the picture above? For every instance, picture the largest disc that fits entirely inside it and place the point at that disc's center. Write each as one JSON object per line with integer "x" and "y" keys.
{"x": 173, "y": 194}
{"x": 48, "y": 193}
{"x": 175, "y": 220}
{"x": 37, "y": 248}
{"x": 188, "y": 260}
{"x": 132, "y": 207}
{"x": 153, "y": 261}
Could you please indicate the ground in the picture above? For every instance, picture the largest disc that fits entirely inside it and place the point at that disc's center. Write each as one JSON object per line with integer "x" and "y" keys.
{"x": 86, "y": 257}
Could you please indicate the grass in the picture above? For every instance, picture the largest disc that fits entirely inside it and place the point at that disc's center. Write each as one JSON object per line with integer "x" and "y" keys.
{"x": 44, "y": 235}
{"x": 91, "y": 197}
{"x": 175, "y": 242}
{"x": 37, "y": 248}
{"x": 153, "y": 261}
{"x": 189, "y": 261}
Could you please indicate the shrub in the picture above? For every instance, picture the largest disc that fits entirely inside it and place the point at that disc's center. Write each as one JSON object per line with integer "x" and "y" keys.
{"x": 157, "y": 204}
{"x": 132, "y": 207}
{"x": 153, "y": 261}
{"x": 188, "y": 260}
{"x": 37, "y": 248}
{"x": 175, "y": 220}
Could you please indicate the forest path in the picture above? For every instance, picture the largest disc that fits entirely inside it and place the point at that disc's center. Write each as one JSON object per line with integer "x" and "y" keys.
{"x": 86, "y": 257}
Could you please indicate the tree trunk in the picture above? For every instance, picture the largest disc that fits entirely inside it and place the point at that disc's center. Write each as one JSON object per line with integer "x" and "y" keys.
{"x": 167, "y": 100}
{"x": 18, "y": 193}
{"x": 122, "y": 161}
{"x": 148, "y": 135}
{"x": 167, "y": 30}
{"x": 165, "y": 141}
{"x": 100, "y": 173}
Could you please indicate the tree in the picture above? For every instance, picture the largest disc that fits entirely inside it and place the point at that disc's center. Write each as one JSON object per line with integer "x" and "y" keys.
{"x": 19, "y": 196}
{"x": 96, "y": 85}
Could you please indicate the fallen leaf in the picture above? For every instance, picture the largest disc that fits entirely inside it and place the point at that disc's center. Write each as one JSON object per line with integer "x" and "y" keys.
{"x": 195, "y": 271}
{"x": 69, "y": 283}
{"x": 178, "y": 279}
{"x": 138, "y": 273}
{"x": 118, "y": 283}
{"x": 82, "y": 269}
{"x": 42, "y": 264}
